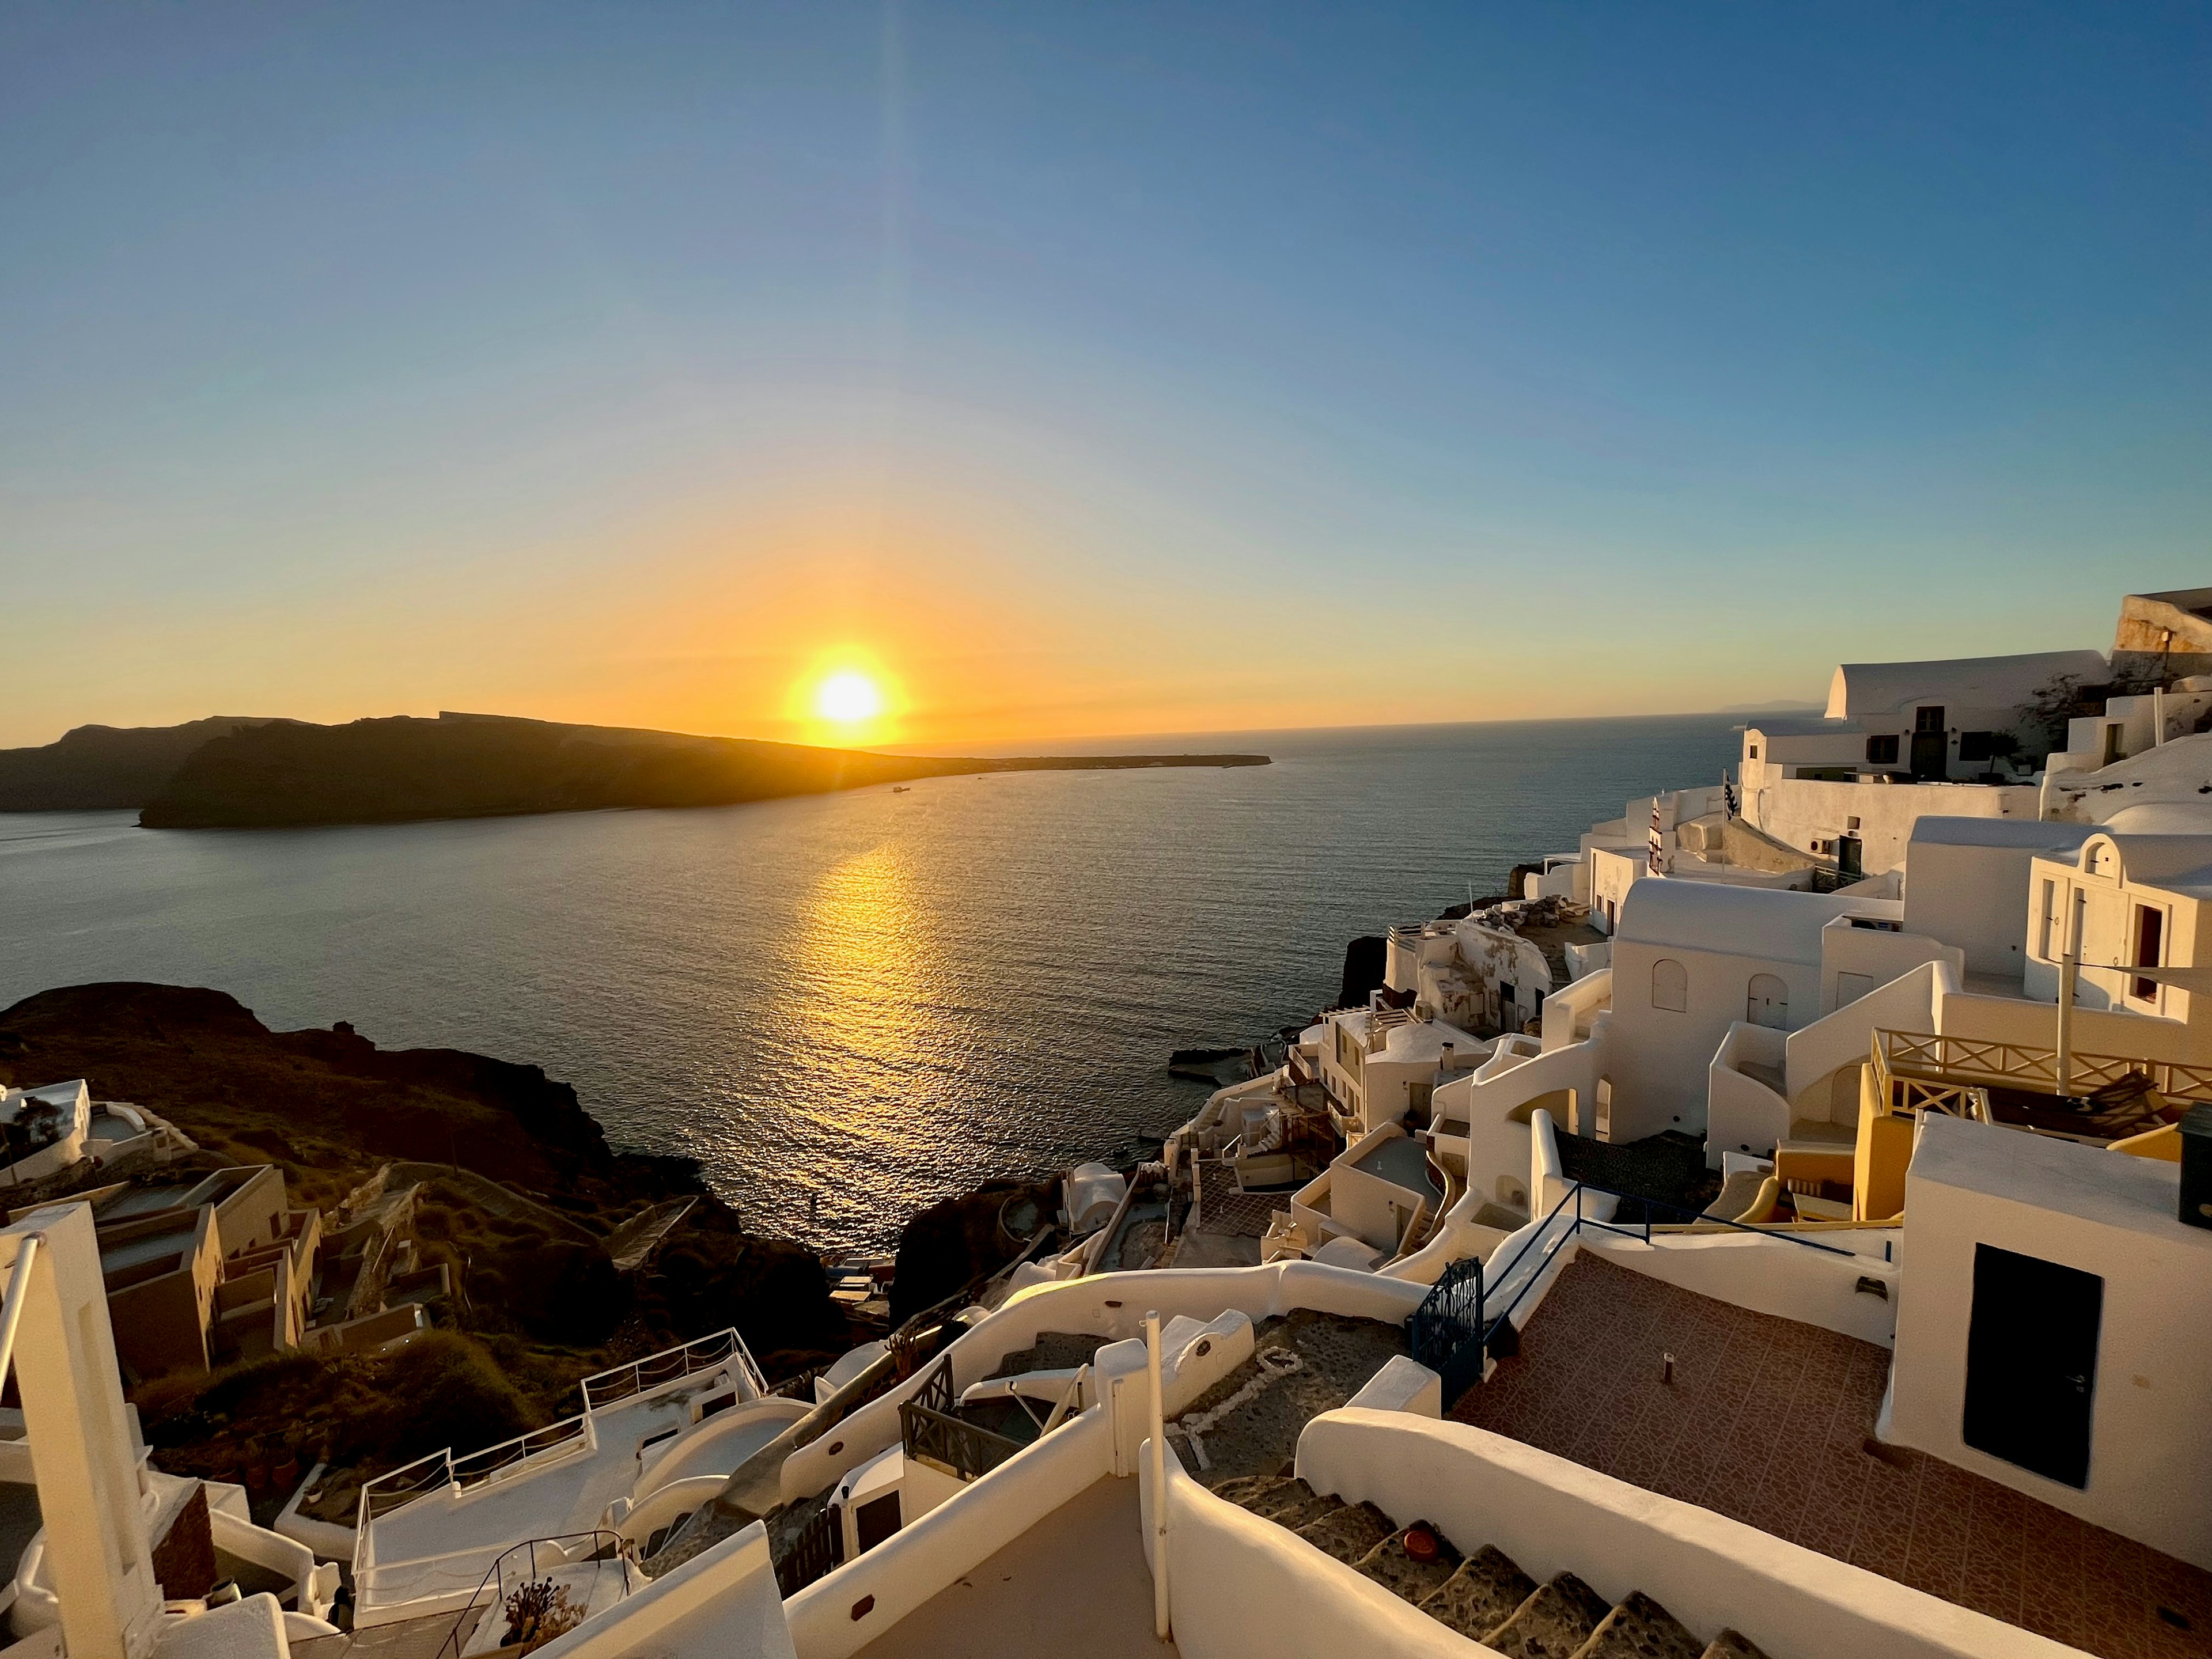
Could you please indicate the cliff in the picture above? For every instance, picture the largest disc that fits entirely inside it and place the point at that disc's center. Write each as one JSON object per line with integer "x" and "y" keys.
{"x": 97, "y": 767}
{"x": 330, "y": 1108}
{"x": 389, "y": 771}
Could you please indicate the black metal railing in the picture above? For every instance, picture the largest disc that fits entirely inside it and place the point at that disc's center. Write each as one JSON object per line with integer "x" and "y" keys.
{"x": 1455, "y": 1331}
{"x": 1444, "y": 1332}
{"x": 817, "y": 1550}
{"x": 530, "y": 1566}
{"x": 931, "y": 1428}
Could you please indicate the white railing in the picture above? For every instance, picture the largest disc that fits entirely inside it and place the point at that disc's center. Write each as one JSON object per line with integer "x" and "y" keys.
{"x": 672, "y": 1366}
{"x": 440, "y": 1470}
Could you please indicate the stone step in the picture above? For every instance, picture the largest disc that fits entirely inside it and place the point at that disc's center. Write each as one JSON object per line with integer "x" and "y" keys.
{"x": 1395, "y": 1566}
{"x": 1553, "y": 1624}
{"x": 1285, "y": 1499}
{"x": 1482, "y": 1595}
{"x": 1734, "y": 1645}
{"x": 1639, "y": 1628}
{"x": 1348, "y": 1533}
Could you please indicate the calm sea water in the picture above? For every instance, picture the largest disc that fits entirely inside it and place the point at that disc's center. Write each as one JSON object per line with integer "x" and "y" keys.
{"x": 879, "y": 998}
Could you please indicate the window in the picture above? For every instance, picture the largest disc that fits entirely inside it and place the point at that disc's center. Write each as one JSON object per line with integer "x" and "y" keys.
{"x": 2150, "y": 925}
{"x": 1754, "y": 751}
{"x": 1928, "y": 720}
{"x": 1670, "y": 986}
{"x": 1850, "y": 824}
{"x": 2045, "y": 914}
{"x": 1882, "y": 751}
{"x": 1977, "y": 745}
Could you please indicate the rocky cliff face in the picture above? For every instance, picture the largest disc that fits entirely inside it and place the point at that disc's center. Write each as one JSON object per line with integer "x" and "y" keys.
{"x": 330, "y": 1108}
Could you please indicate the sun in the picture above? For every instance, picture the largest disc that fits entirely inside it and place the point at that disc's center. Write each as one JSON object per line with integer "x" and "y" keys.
{"x": 848, "y": 698}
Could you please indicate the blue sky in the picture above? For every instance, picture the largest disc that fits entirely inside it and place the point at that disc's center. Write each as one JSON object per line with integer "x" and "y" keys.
{"x": 1085, "y": 370}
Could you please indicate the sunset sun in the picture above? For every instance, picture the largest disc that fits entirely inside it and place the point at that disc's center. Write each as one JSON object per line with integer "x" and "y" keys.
{"x": 848, "y": 698}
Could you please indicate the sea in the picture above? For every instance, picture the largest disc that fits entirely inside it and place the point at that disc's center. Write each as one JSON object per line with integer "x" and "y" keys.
{"x": 849, "y": 1006}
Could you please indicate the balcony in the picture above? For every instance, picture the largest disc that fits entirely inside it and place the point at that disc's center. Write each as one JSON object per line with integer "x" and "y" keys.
{"x": 2106, "y": 1096}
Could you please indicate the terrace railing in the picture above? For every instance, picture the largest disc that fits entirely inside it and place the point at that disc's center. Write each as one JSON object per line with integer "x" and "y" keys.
{"x": 532, "y": 1563}
{"x": 1457, "y": 1330}
{"x": 706, "y": 1353}
{"x": 931, "y": 1428}
{"x": 817, "y": 1550}
{"x": 1921, "y": 1069}
{"x": 440, "y": 1470}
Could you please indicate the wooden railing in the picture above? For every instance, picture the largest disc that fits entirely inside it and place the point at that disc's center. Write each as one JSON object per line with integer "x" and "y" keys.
{"x": 932, "y": 1430}
{"x": 1920, "y": 1070}
{"x": 817, "y": 1549}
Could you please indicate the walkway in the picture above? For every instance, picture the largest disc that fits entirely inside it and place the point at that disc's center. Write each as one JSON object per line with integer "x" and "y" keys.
{"x": 1771, "y": 1422}
{"x": 1075, "y": 1586}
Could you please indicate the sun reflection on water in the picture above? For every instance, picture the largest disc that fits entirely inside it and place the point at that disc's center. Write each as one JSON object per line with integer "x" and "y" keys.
{"x": 868, "y": 964}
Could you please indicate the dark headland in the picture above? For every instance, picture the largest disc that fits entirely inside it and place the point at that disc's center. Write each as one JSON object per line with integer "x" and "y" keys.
{"x": 239, "y": 773}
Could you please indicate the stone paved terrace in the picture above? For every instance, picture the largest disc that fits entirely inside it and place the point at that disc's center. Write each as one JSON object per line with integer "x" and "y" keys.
{"x": 1223, "y": 1209}
{"x": 1769, "y": 1421}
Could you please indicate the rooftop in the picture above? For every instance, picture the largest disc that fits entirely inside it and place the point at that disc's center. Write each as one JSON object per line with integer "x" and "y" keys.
{"x": 2041, "y": 833}
{"x": 1773, "y": 923}
{"x": 1959, "y": 683}
{"x": 1074, "y": 1585}
{"x": 2140, "y": 1194}
{"x": 1771, "y": 1422}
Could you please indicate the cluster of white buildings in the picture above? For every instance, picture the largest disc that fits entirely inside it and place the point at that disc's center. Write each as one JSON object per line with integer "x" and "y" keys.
{"x": 1885, "y": 1052}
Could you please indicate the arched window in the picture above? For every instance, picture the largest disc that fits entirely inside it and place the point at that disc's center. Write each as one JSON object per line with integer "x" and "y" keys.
{"x": 1670, "y": 985}
{"x": 1767, "y": 1002}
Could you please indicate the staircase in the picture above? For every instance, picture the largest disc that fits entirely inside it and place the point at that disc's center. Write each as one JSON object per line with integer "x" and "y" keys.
{"x": 1483, "y": 1596}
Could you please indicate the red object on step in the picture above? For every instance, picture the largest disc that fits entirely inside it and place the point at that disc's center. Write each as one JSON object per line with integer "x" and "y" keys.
{"x": 1421, "y": 1543}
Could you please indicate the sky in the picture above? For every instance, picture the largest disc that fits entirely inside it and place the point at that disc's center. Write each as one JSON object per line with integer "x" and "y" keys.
{"x": 1084, "y": 370}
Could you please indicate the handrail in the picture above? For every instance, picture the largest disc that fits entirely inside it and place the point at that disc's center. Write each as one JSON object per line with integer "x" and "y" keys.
{"x": 1700, "y": 1217}
{"x": 700, "y": 1354}
{"x": 1950, "y": 1061}
{"x": 387, "y": 1492}
{"x": 1487, "y": 1328}
{"x": 611, "y": 1549}
{"x": 11, "y": 1310}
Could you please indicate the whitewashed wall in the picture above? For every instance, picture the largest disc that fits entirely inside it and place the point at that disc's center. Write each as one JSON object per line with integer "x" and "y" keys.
{"x": 1552, "y": 1516}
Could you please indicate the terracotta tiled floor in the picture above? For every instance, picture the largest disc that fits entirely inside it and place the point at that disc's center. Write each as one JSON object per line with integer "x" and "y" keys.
{"x": 1223, "y": 1209}
{"x": 1768, "y": 1420}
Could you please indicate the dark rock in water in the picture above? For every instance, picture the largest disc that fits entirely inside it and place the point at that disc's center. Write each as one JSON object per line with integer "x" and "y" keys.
{"x": 1364, "y": 961}
{"x": 958, "y": 1240}
{"x": 1212, "y": 1065}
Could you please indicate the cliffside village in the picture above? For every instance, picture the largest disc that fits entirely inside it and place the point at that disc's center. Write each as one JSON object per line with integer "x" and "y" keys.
{"x": 1783, "y": 1228}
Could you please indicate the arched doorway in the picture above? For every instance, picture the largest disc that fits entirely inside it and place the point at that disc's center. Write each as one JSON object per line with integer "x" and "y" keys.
{"x": 1767, "y": 1003}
